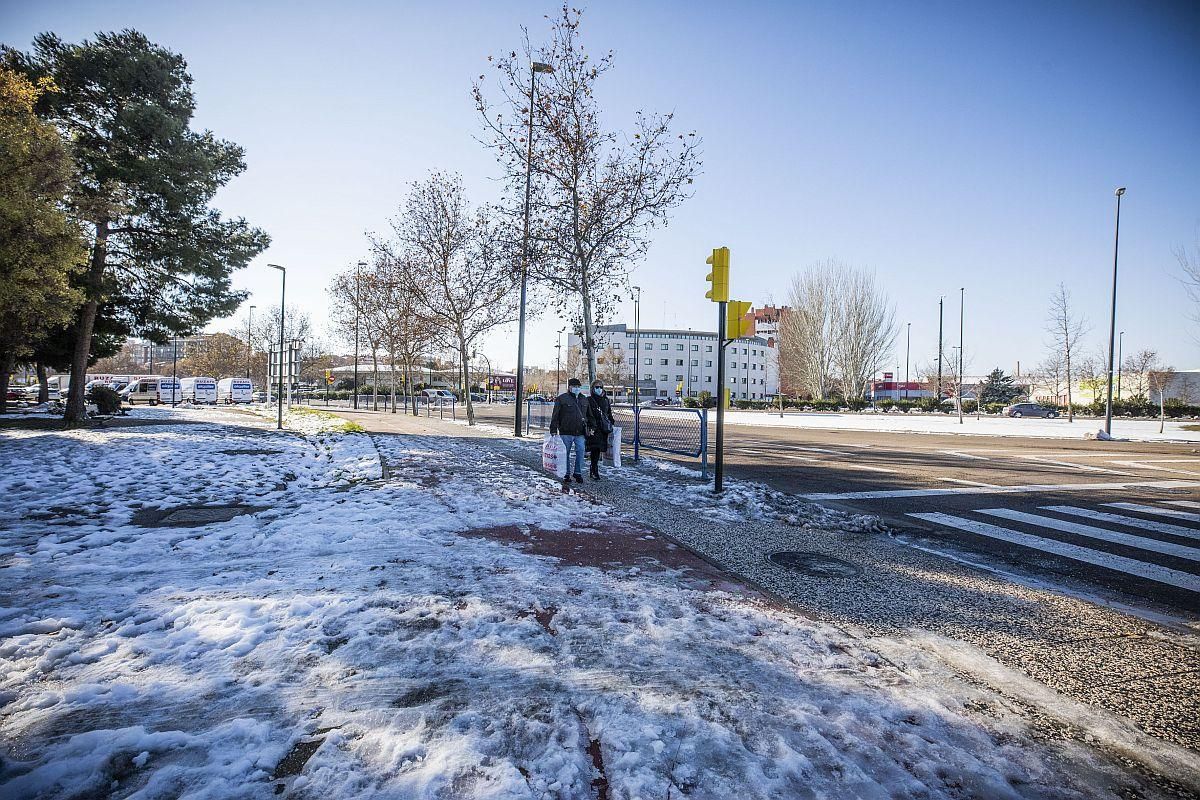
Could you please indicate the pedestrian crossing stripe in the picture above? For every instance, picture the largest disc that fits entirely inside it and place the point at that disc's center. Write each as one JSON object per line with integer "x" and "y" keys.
{"x": 1156, "y": 510}
{"x": 1185, "y": 503}
{"x": 1130, "y": 566}
{"x": 1092, "y": 532}
{"x": 1133, "y": 522}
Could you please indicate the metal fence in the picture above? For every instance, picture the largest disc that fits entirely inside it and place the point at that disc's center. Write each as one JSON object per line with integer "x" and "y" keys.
{"x": 429, "y": 406}
{"x": 679, "y": 431}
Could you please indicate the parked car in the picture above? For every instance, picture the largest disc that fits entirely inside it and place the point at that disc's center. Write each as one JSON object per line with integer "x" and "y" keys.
{"x": 152, "y": 390}
{"x": 258, "y": 397}
{"x": 234, "y": 390}
{"x": 661, "y": 401}
{"x": 199, "y": 390}
{"x": 438, "y": 395}
{"x": 476, "y": 397}
{"x": 1030, "y": 410}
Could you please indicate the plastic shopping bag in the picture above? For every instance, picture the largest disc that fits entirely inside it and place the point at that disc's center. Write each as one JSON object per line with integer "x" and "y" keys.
{"x": 554, "y": 456}
{"x": 614, "y": 447}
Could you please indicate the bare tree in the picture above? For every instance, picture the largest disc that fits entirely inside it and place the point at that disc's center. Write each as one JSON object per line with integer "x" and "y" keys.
{"x": 297, "y": 327}
{"x": 1050, "y": 375}
{"x": 1189, "y": 265}
{"x": 1136, "y": 371}
{"x": 596, "y": 193}
{"x": 839, "y": 330}
{"x": 613, "y": 367}
{"x": 865, "y": 331}
{"x": 1092, "y": 374}
{"x": 806, "y": 334}
{"x": 453, "y": 263}
{"x": 1065, "y": 328}
{"x": 1158, "y": 378}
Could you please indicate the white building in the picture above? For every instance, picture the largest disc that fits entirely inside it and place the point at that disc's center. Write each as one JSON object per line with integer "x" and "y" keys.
{"x": 673, "y": 363}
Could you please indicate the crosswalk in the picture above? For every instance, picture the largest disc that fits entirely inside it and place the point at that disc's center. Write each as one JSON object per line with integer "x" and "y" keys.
{"x": 1146, "y": 541}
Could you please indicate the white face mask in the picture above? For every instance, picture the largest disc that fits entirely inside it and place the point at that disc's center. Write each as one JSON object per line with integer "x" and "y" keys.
{"x": 576, "y": 389}
{"x": 598, "y": 391}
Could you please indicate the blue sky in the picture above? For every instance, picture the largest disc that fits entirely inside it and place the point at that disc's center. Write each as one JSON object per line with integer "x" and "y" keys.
{"x": 944, "y": 145}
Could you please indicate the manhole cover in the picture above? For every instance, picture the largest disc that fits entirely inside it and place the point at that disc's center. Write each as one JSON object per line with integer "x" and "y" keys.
{"x": 189, "y": 516}
{"x": 815, "y": 564}
{"x": 249, "y": 451}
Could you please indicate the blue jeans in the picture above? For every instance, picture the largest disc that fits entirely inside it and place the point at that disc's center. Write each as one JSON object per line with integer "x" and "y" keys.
{"x": 579, "y": 444}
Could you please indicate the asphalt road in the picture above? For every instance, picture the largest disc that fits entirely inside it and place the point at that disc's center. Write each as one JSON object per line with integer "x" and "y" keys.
{"x": 1118, "y": 521}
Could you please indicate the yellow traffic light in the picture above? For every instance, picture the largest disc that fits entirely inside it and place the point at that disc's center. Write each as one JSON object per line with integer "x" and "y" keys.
{"x": 738, "y": 323}
{"x": 719, "y": 277}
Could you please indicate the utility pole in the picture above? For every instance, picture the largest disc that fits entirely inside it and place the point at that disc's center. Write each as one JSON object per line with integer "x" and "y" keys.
{"x": 907, "y": 354}
{"x": 939, "y": 378}
{"x": 1120, "y": 361}
{"x": 282, "y": 311}
{"x": 722, "y": 306}
{"x": 962, "y": 295}
{"x": 174, "y": 361}
{"x": 249, "y": 346}
{"x": 357, "y": 303}
{"x": 1112, "y": 321}
{"x": 637, "y": 342}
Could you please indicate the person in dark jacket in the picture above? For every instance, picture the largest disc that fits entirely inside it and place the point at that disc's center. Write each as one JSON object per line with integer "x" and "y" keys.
{"x": 600, "y": 424}
{"x": 568, "y": 421}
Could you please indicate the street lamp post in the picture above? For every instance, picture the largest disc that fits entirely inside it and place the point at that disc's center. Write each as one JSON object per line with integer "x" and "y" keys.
{"x": 1112, "y": 320}
{"x": 357, "y": 302}
{"x": 535, "y": 68}
{"x": 282, "y": 307}
{"x": 941, "y": 300}
{"x": 249, "y": 346}
{"x": 962, "y": 298}
{"x": 488, "y": 387}
{"x": 1120, "y": 360}
{"x": 637, "y": 342}
{"x": 907, "y": 353}
{"x": 174, "y": 361}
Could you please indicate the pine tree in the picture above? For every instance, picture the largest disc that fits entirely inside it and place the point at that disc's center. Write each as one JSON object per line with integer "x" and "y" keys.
{"x": 999, "y": 387}
{"x": 159, "y": 255}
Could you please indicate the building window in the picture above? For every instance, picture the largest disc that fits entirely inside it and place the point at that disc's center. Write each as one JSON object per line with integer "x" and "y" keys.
{"x": 665, "y": 346}
{"x": 662, "y": 377}
{"x": 649, "y": 346}
{"x": 708, "y": 363}
{"x": 664, "y": 361}
{"x": 743, "y": 381}
{"x": 649, "y": 361}
{"x": 695, "y": 363}
{"x": 647, "y": 377}
{"x": 678, "y": 347}
{"x": 708, "y": 378}
{"x": 679, "y": 377}
{"x": 679, "y": 362}
{"x": 695, "y": 347}
{"x": 616, "y": 345}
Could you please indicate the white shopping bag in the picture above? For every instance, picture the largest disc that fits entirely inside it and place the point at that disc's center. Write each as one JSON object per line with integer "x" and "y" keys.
{"x": 554, "y": 456}
{"x": 614, "y": 447}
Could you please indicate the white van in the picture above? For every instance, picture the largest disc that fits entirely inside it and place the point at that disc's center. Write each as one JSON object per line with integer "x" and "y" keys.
{"x": 153, "y": 390}
{"x": 199, "y": 390}
{"x": 437, "y": 395}
{"x": 234, "y": 390}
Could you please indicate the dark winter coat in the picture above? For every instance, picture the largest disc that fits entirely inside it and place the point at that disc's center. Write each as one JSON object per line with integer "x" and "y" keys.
{"x": 569, "y": 417}
{"x": 600, "y": 421}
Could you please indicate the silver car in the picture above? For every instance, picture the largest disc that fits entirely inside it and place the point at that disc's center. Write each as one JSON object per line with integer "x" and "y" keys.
{"x": 1030, "y": 410}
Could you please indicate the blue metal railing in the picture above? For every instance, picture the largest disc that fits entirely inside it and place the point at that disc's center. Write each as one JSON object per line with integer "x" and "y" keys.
{"x": 679, "y": 431}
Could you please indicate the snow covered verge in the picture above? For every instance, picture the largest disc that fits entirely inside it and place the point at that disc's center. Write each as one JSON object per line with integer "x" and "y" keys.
{"x": 1133, "y": 429}
{"x": 377, "y": 620}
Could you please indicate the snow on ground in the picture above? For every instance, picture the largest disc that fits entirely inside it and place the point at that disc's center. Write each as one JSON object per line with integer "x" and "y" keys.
{"x": 371, "y": 631}
{"x": 1134, "y": 429}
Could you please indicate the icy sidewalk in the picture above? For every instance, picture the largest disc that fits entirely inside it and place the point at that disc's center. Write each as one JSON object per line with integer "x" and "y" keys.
{"x": 380, "y": 618}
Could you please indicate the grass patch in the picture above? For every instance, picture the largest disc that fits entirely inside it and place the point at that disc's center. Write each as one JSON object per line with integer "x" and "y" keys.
{"x": 324, "y": 421}
{"x": 1191, "y": 427}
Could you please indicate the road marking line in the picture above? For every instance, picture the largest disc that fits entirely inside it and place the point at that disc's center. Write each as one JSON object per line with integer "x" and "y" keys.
{"x": 800, "y": 458}
{"x": 1133, "y": 522}
{"x": 1022, "y": 489}
{"x": 820, "y": 450}
{"x": 964, "y": 455}
{"x": 1148, "y": 465}
{"x": 1129, "y": 566}
{"x": 1079, "y": 529}
{"x": 1083, "y": 467}
{"x": 868, "y": 468}
{"x": 1162, "y": 512}
{"x": 1185, "y": 503}
{"x": 966, "y": 482}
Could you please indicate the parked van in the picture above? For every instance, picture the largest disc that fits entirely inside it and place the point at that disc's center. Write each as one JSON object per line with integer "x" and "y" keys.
{"x": 199, "y": 390}
{"x": 153, "y": 390}
{"x": 234, "y": 390}
{"x": 437, "y": 395}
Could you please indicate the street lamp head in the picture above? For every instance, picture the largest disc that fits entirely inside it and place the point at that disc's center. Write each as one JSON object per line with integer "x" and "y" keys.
{"x": 362, "y": 264}
{"x": 540, "y": 67}
{"x": 276, "y": 266}
{"x": 1120, "y": 191}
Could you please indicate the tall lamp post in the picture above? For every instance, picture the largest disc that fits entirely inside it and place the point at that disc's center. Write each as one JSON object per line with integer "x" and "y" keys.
{"x": 282, "y": 298}
{"x": 962, "y": 298}
{"x": 1112, "y": 320}
{"x": 558, "y": 362}
{"x": 1120, "y": 360}
{"x": 535, "y": 68}
{"x": 249, "y": 346}
{"x": 637, "y": 342}
{"x": 941, "y": 300}
{"x": 357, "y": 302}
{"x": 907, "y": 353}
{"x": 488, "y": 387}
{"x": 174, "y": 360}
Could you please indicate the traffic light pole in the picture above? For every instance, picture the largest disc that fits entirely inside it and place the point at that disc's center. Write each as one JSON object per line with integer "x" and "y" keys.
{"x": 720, "y": 467}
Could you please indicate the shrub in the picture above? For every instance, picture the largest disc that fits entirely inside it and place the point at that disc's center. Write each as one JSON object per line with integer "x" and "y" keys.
{"x": 105, "y": 398}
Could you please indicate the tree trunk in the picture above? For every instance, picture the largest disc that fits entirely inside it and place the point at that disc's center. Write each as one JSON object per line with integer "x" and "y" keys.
{"x": 462, "y": 358}
{"x": 408, "y": 385}
{"x": 1162, "y": 411}
{"x": 76, "y": 408}
{"x": 6, "y": 366}
{"x": 1070, "y": 405}
{"x": 392, "y": 356}
{"x": 374, "y": 380}
{"x": 43, "y": 383}
{"x": 589, "y": 331}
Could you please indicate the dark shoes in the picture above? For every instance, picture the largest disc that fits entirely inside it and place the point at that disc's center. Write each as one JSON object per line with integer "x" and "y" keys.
{"x": 566, "y": 486}
{"x": 578, "y": 478}
{"x": 595, "y": 474}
